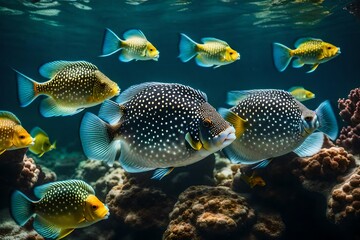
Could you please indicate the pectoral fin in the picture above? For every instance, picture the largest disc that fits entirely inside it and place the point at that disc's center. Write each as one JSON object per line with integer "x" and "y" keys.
{"x": 238, "y": 123}
{"x": 196, "y": 145}
{"x": 313, "y": 68}
{"x": 65, "y": 232}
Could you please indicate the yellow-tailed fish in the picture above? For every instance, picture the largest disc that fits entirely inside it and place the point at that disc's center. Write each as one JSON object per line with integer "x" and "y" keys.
{"x": 73, "y": 86}
{"x": 276, "y": 124}
{"x": 308, "y": 51}
{"x": 62, "y": 207}
{"x": 42, "y": 142}
{"x": 301, "y": 94}
{"x": 212, "y": 53}
{"x": 155, "y": 126}
{"x": 135, "y": 46}
{"x": 253, "y": 180}
{"x": 12, "y": 134}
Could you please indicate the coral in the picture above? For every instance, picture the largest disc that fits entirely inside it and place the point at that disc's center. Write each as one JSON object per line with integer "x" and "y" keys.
{"x": 223, "y": 172}
{"x": 344, "y": 203}
{"x": 350, "y": 138}
{"x": 268, "y": 226}
{"x": 208, "y": 211}
{"x": 350, "y": 108}
{"x": 327, "y": 164}
{"x": 139, "y": 206}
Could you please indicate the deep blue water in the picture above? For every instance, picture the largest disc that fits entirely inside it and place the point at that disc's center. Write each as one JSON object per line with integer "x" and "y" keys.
{"x": 37, "y": 32}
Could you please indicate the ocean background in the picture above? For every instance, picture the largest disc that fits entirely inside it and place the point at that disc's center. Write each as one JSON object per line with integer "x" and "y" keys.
{"x": 37, "y": 32}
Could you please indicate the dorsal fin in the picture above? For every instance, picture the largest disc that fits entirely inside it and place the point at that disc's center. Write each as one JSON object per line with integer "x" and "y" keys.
{"x": 295, "y": 88}
{"x": 305, "y": 39}
{"x": 211, "y": 39}
{"x": 41, "y": 190}
{"x": 134, "y": 33}
{"x": 9, "y": 115}
{"x": 36, "y": 130}
{"x": 50, "y": 69}
{"x": 129, "y": 93}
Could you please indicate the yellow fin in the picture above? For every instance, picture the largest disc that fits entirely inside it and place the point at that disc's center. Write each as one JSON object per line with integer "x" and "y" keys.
{"x": 196, "y": 145}
{"x": 238, "y": 122}
{"x": 2, "y": 151}
{"x": 313, "y": 68}
{"x": 41, "y": 154}
{"x": 65, "y": 232}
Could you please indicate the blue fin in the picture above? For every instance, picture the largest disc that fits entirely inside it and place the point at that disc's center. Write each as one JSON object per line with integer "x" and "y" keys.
{"x": 36, "y": 130}
{"x": 211, "y": 40}
{"x": 131, "y": 162}
{"x": 40, "y": 191}
{"x": 161, "y": 172}
{"x": 234, "y": 97}
{"x": 238, "y": 157}
{"x": 313, "y": 68}
{"x": 26, "y": 89}
{"x": 50, "y": 69}
{"x": 46, "y": 229}
{"x": 311, "y": 145}
{"x": 21, "y": 208}
{"x": 327, "y": 119}
{"x": 49, "y": 108}
{"x": 111, "y": 43}
{"x": 134, "y": 33}
{"x": 281, "y": 56}
{"x": 9, "y": 115}
{"x": 95, "y": 139}
{"x": 125, "y": 56}
{"x": 187, "y": 48}
{"x": 297, "y": 63}
{"x": 305, "y": 39}
{"x": 200, "y": 61}
{"x": 262, "y": 164}
{"x": 129, "y": 93}
{"x": 110, "y": 112}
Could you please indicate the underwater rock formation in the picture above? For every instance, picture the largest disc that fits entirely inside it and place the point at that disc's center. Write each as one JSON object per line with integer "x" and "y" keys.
{"x": 350, "y": 113}
{"x": 203, "y": 211}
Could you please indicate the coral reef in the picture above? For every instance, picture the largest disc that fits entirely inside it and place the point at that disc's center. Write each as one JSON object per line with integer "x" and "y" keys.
{"x": 344, "y": 203}
{"x": 203, "y": 211}
{"x": 138, "y": 205}
{"x": 350, "y": 138}
{"x": 269, "y": 225}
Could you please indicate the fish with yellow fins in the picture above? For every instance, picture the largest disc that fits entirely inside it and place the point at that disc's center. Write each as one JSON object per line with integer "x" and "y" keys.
{"x": 212, "y": 53}
{"x": 62, "y": 207}
{"x": 301, "y": 94}
{"x": 73, "y": 86}
{"x": 134, "y": 46}
{"x": 42, "y": 142}
{"x": 253, "y": 180}
{"x": 12, "y": 134}
{"x": 309, "y": 50}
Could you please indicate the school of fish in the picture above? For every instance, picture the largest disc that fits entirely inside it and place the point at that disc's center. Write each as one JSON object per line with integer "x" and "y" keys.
{"x": 155, "y": 126}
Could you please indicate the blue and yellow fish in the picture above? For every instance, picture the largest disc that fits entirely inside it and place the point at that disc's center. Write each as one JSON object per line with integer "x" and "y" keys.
{"x": 73, "y": 86}
{"x": 212, "y": 53}
{"x": 135, "y": 46}
{"x": 301, "y": 94}
{"x": 155, "y": 126}
{"x": 308, "y": 51}
{"x": 275, "y": 123}
{"x": 63, "y": 206}
{"x": 12, "y": 134}
{"x": 42, "y": 142}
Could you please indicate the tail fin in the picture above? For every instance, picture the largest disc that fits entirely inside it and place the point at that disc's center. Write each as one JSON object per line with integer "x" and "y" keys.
{"x": 187, "y": 48}
{"x": 111, "y": 43}
{"x": 21, "y": 208}
{"x": 96, "y": 140}
{"x": 327, "y": 119}
{"x": 26, "y": 89}
{"x": 281, "y": 55}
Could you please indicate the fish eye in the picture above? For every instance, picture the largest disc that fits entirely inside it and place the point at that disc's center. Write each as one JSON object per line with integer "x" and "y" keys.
{"x": 329, "y": 48}
{"x": 94, "y": 207}
{"x": 22, "y": 137}
{"x": 102, "y": 85}
{"x": 207, "y": 123}
{"x": 151, "y": 49}
{"x": 308, "y": 119}
{"x": 231, "y": 53}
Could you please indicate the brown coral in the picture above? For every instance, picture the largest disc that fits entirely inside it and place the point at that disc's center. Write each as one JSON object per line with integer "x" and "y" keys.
{"x": 350, "y": 108}
{"x": 344, "y": 203}
{"x": 350, "y": 138}
{"x": 208, "y": 211}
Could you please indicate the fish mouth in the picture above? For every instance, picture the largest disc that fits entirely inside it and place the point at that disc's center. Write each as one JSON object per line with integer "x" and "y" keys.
{"x": 32, "y": 143}
{"x": 338, "y": 52}
{"x": 106, "y": 213}
{"x": 156, "y": 58}
{"x": 228, "y": 136}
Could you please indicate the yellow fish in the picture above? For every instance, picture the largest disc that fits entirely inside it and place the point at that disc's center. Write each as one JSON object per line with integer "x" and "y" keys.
{"x": 12, "y": 134}
{"x": 253, "y": 180}
{"x": 212, "y": 53}
{"x": 63, "y": 206}
{"x": 42, "y": 142}
{"x": 72, "y": 87}
{"x": 135, "y": 46}
{"x": 308, "y": 51}
{"x": 301, "y": 94}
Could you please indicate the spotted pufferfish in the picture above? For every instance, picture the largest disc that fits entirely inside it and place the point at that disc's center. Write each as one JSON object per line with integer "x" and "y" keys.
{"x": 274, "y": 123}
{"x": 155, "y": 126}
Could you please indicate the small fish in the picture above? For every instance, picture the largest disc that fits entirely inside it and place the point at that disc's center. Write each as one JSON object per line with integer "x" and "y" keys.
{"x": 301, "y": 94}
{"x": 308, "y": 51}
{"x": 253, "y": 180}
{"x": 212, "y": 53}
{"x": 275, "y": 124}
{"x": 135, "y": 46}
{"x": 12, "y": 134}
{"x": 63, "y": 206}
{"x": 72, "y": 87}
{"x": 155, "y": 126}
{"x": 42, "y": 142}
